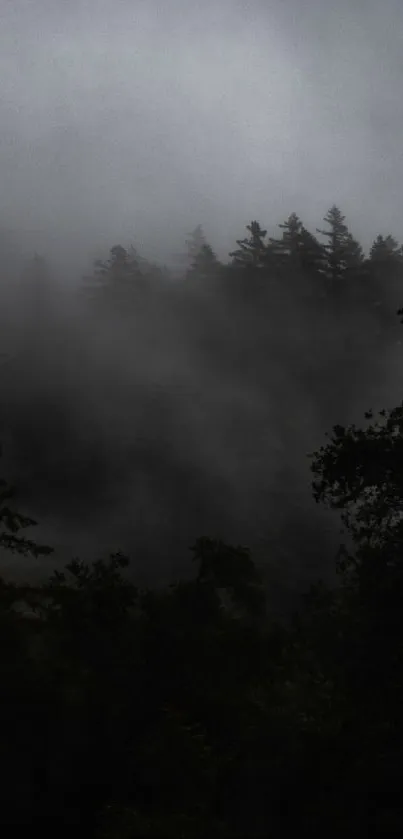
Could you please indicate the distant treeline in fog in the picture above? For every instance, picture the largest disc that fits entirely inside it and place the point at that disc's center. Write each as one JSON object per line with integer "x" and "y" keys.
{"x": 143, "y": 407}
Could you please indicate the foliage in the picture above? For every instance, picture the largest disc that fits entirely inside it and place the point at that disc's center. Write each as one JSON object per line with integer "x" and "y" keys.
{"x": 385, "y": 248}
{"x": 12, "y": 522}
{"x": 189, "y": 710}
{"x": 183, "y": 712}
{"x": 118, "y": 282}
{"x": 251, "y": 251}
{"x": 298, "y": 244}
{"x": 204, "y": 264}
{"x": 360, "y": 471}
{"x": 342, "y": 250}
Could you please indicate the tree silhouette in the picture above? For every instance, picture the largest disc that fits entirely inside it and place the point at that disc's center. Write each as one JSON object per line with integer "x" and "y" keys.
{"x": 251, "y": 251}
{"x": 116, "y": 282}
{"x": 384, "y": 270}
{"x": 298, "y": 252}
{"x": 290, "y": 243}
{"x": 187, "y": 709}
{"x": 343, "y": 252}
{"x": 11, "y": 522}
{"x": 385, "y": 249}
{"x": 205, "y": 266}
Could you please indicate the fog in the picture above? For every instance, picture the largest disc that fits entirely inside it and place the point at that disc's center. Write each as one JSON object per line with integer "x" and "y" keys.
{"x": 132, "y": 123}
{"x": 135, "y": 120}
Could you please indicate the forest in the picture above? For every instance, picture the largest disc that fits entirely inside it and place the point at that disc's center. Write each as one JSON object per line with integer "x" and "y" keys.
{"x": 201, "y": 540}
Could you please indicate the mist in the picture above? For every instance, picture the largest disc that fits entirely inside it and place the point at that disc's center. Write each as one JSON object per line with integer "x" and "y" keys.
{"x": 194, "y": 415}
{"x": 124, "y": 121}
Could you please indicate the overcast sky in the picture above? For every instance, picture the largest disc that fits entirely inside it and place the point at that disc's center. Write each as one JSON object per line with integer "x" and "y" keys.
{"x": 135, "y": 121}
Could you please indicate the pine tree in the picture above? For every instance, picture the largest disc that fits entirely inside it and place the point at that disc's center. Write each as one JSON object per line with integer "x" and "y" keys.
{"x": 298, "y": 245}
{"x": 253, "y": 251}
{"x": 290, "y": 243}
{"x": 149, "y": 271}
{"x": 205, "y": 263}
{"x": 183, "y": 261}
{"x": 120, "y": 267}
{"x": 312, "y": 253}
{"x": 385, "y": 278}
{"x": 11, "y": 522}
{"x": 116, "y": 280}
{"x": 385, "y": 249}
{"x": 343, "y": 252}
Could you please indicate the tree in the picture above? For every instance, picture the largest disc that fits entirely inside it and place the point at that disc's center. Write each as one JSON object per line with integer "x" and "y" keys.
{"x": 343, "y": 252}
{"x": 121, "y": 268}
{"x": 151, "y": 272}
{"x": 205, "y": 264}
{"x": 385, "y": 249}
{"x": 298, "y": 249}
{"x": 252, "y": 251}
{"x": 117, "y": 281}
{"x": 290, "y": 243}
{"x": 194, "y": 243}
{"x": 12, "y": 522}
{"x": 385, "y": 279}
{"x": 361, "y": 473}
{"x": 311, "y": 253}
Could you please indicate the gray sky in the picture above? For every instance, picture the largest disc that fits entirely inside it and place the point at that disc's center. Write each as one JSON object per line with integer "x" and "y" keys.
{"x": 138, "y": 120}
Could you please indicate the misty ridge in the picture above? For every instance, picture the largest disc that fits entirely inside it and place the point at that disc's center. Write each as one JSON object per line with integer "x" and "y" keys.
{"x": 144, "y": 406}
{"x": 201, "y": 419}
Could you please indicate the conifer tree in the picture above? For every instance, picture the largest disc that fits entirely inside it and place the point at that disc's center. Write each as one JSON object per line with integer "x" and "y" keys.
{"x": 342, "y": 251}
{"x": 253, "y": 251}
{"x": 290, "y": 242}
{"x": 11, "y": 522}
{"x": 116, "y": 280}
{"x": 385, "y": 249}
{"x": 205, "y": 263}
{"x": 312, "y": 253}
{"x": 385, "y": 278}
{"x": 298, "y": 245}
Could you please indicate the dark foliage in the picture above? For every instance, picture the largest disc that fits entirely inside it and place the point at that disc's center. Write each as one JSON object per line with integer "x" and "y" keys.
{"x": 190, "y": 710}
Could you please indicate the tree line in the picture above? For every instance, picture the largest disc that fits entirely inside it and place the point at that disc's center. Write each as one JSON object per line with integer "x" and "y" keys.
{"x": 330, "y": 265}
{"x": 191, "y": 710}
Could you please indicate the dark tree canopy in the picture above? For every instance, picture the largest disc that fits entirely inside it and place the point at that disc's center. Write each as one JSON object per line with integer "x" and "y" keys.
{"x": 118, "y": 281}
{"x": 207, "y": 707}
{"x": 343, "y": 252}
{"x": 385, "y": 249}
{"x": 252, "y": 250}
